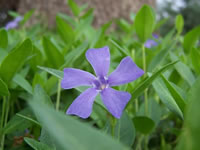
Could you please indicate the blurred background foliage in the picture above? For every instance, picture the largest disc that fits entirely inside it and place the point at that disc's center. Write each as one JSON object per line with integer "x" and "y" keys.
{"x": 189, "y": 9}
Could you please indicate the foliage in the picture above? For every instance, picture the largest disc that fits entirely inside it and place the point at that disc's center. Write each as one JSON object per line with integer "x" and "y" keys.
{"x": 162, "y": 114}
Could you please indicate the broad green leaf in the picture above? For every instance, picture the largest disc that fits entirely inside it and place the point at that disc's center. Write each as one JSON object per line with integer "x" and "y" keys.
{"x": 15, "y": 60}
{"x": 195, "y": 55}
{"x": 40, "y": 95}
{"x": 46, "y": 138}
{"x": 3, "y": 39}
{"x": 38, "y": 58}
{"x": 190, "y": 39}
{"x": 177, "y": 97}
{"x": 74, "y": 7}
{"x": 36, "y": 145}
{"x": 17, "y": 123}
{"x": 147, "y": 82}
{"x": 54, "y": 56}
{"x": 154, "y": 110}
{"x": 166, "y": 97}
{"x": 83, "y": 25}
{"x": 191, "y": 132}
{"x": 125, "y": 130}
{"x": 183, "y": 70}
{"x": 179, "y": 23}
{"x": 160, "y": 57}
{"x": 3, "y": 88}
{"x": 74, "y": 54}
{"x": 67, "y": 18}
{"x": 13, "y": 13}
{"x": 22, "y": 82}
{"x": 143, "y": 124}
{"x": 65, "y": 30}
{"x": 69, "y": 133}
{"x": 27, "y": 16}
{"x": 144, "y": 23}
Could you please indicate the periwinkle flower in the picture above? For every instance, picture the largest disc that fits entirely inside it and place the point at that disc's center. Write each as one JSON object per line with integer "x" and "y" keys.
{"x": 13, "y": 24}
{"x": 115, "y": 101}
{"x": 151, "y": 43}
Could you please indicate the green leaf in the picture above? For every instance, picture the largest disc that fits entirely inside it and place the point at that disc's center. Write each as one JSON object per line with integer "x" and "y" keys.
{"x": 36, "y": 145}
{"x": 179, "y": 23}
{"x": 143, "y": 124}
{"x": 15, "y": 60}
{"x": 3, "y": 39}
{"x": 65, "y": 30}
{"x": 3, "y": 89}
{"x": 183, "y": 70}
{"x": 29, "y": 119}
{"x": 166, "y": 97}
{"x": 154, "y": 110}
{"x": 74, "y": 7}
{"x": 54, "y": 56}
{"x": 177, "y": 97}
{"x": 190, "y": 39}
{"x": 160, "y": 23}
{"x": 125, "y": 130}
{"x": 22, "y": 82}
{"x": 69, "y": 133}
{"x": 38, "y": 58}
{"x": 74, "y": 54}
{"x": 160, "y": 57}
{"x": 41, "y": 96}
{"x": 144, "y": 23}
{"x": 191, "y": 132}
{"x": 147, "y": 82}
{"x": 46, "y": 138}
{"x": 27, "y": 16}
{"x": 17, "y": 123}
{"x": 122, "y": 50}
{"x": 195, "y": 55}
{"x": 59, "y": 74}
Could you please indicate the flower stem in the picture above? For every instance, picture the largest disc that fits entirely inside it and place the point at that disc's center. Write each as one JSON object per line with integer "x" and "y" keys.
{"x": 136, "y": 105}
{"x": 2, "y": 115}
{"x": 58, "y": 96}
{"x": 113, "y": 122}
{"x": 146, "y": 90}
{"x": 5, "y": 112}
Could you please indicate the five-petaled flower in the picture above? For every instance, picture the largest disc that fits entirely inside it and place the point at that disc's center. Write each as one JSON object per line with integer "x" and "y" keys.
{"x": 115, "y": 101}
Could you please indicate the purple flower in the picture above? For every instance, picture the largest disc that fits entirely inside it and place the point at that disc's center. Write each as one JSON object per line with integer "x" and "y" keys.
{"x": 13, "y": 24}
{"x": 155, "y": 36}
{"x": 115, "y": 101}
{"x": 150, "y": 43}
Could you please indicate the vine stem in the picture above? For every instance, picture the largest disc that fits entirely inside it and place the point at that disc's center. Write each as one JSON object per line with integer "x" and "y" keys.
{"x": 113, "y": 122}
{"x": 3, "y": 112}
{"x": 5, "y": 117}
{"x": 146, "y": 90}
{"x": 58, "y": 96}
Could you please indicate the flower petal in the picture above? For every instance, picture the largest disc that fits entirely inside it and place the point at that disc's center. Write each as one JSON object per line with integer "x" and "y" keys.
{"x": 82, "y": 105}
{"x": 76, "y": 77}
{"x": 115, "y": 101}
{"x": 126, "y": 72}
{"x": 100, "y": 60}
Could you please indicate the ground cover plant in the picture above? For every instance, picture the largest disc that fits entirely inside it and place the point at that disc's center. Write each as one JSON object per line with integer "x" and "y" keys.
{"x": 46, "y": 73}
